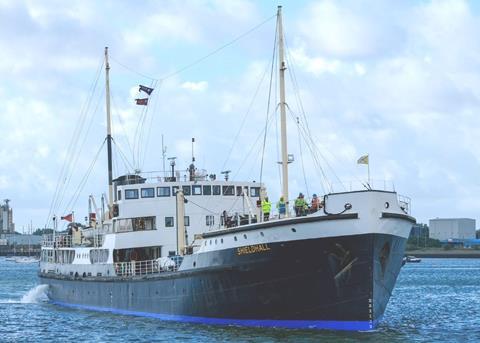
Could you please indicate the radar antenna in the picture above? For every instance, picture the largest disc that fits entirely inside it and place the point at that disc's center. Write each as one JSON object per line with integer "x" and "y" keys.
{"x": 226, "y": 173}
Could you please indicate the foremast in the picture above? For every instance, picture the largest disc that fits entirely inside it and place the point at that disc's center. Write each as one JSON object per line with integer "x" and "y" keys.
{"x": 283, "y": 119}
{"x": 109, "y": 132}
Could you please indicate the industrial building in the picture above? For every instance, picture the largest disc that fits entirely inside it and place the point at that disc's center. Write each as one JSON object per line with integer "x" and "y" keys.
{"x": 6, "y": 218}
{"x": 445, "y": 229}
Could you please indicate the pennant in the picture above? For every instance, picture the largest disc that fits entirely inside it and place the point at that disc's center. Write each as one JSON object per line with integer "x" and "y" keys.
{"x": 68, "y": 217}
{"x": 143, "y": 102}
{"x": 363, "y": 160}
{"x": 145, "y": 89}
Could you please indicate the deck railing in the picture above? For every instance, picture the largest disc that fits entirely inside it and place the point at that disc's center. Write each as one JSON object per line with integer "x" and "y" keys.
{"x": 147, "y": 267}
{"x": 57, "y": 241}
{"x": 62, "y": 240}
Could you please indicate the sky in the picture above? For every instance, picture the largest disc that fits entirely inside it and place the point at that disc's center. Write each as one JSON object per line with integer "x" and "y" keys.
{"x": 397, "y": 80}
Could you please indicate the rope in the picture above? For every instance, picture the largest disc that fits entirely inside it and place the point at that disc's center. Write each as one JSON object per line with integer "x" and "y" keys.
{"x": 80, "y": 187}
{"x": 132, "y": 70}
{"x": 203, "y": 208}
{"x": 67, "y": 167}
{"x": 301, "y": 157}
{"x": 122, "y": 126}
{"x": 197, "y": 61}
{"x": 152, "y": 116}
{"x": 268, "y": 102}
{"x": 124, "y": 158}
{"x": 245, "y": 118}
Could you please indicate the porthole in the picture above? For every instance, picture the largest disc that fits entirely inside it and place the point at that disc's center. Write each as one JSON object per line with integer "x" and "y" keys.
{"x": 294, "y": 230}
{"x": 261, "y": 234}
{"x": 235, "y": 238}
{"x": 215, "y": 241}
{"x": 194, "y": 264}
{"x": 245, "y": 236}
{"x": 221, "y": 240}
{"x": 210, "y": 242}
{"x": 387, "y": 205}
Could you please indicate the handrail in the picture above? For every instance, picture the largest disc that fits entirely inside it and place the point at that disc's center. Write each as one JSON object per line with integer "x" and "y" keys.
{"x": 146, "y": 267}
{"x": 62, "y": 240}
{"x": 57, "y": 241}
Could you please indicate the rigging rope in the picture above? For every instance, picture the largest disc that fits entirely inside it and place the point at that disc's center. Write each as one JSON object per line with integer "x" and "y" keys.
{"x": 122, "y": 126}
{"x": 188, "y": 66}
{"x": 315, "y": 150}
{"x": 152, "y": 116}
{"x": 245, "y": 118}
{"x": 83, "y": 181}
{"x": 127, "y": 164}
{"x": 200, "y": 59}
{"x": 268, "y": 103}
{"x": 66, "y": 168}
{"x": 301, "y": 157}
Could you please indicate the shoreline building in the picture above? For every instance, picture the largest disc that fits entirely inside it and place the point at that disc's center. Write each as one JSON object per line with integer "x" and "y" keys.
{"x": 445, "y": 229}
{"x": 6, "y": 218}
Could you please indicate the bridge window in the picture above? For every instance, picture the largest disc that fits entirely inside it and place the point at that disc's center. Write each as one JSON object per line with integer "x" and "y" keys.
{"x": 148, "y": 192}
{"x": 186, "y": 219}
{"x": 134, "y": 224}
{"x": 239, "y": 190}
{"x": 255, "y": 191}
{"x": 228, "y": 190}
{"x": 216, "y": 190}
{"x": 131, "y": 194}
{"x": 119, "y": 195}
{"x": 186, "y": 190}
{"x": 174, "y": 190}
{"x": 197, "y": 190}
{"x": 98, "y": 256}
{"x": 210, "y": 220}
{"x": 169, "y": 221}
{"x": 163, "y": 191}
{"x": 207, "y": 190}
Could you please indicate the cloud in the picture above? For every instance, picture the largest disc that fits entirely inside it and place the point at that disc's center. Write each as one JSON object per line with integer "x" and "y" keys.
{"x": 348, "y": 29}
{"x": 400, "y": 81}
{"x": 195, "y": 86}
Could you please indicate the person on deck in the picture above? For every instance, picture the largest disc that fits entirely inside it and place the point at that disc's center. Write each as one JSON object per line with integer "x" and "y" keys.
{"x": 300, "y": 205}
{"x": 315, "y": 206}
{"x": 266, "y": 208}
{"x": 281, "y": 207}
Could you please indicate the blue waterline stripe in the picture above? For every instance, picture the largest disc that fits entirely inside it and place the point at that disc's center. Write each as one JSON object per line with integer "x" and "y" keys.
{"x": 289, "y": 324}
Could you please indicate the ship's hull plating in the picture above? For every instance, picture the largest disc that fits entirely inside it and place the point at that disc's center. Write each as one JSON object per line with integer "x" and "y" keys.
{"x": 340, "y": 282}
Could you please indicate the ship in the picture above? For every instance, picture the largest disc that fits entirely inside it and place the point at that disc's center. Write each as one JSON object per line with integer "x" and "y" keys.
{"x": 196, "y": 248}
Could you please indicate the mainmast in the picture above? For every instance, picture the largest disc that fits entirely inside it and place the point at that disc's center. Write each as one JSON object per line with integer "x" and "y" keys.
{"x": 109, "y": 131}
{"x": 283, "y": 119}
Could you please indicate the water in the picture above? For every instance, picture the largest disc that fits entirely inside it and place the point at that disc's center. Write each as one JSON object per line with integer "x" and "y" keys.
{"x": 437, "y": 300}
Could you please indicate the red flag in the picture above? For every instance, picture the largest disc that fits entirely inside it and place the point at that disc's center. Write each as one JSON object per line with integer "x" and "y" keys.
{"x": 142, "y": 101}
{"x": 68, "y": 217}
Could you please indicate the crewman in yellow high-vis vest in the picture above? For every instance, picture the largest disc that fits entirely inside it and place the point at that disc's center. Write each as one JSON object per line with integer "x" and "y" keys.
{"x": 266, "y": 207}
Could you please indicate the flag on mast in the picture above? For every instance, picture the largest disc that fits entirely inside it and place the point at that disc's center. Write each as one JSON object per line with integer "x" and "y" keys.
{"x": 363, "y": 159}
{"x": 68, "y": 217}
{"x": 145, "y": 89}
{"x": 142, "y": 101}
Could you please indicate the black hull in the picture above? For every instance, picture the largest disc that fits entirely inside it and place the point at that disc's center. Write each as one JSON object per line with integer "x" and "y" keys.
{"x": 340, "y": 282}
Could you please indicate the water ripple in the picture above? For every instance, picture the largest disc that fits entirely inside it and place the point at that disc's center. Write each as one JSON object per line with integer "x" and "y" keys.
{"x": 436, "y": 301}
